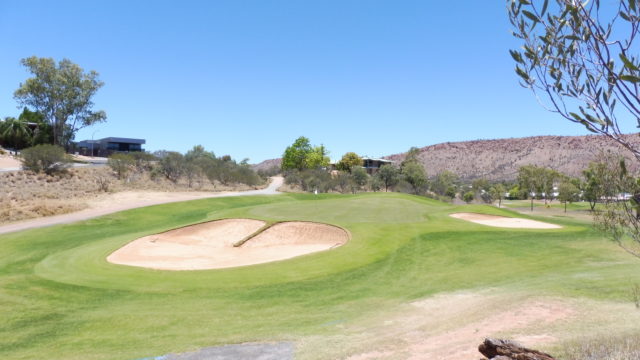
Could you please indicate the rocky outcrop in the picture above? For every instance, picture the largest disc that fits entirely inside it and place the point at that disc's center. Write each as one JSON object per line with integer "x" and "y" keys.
{"x": 496, "y": 349}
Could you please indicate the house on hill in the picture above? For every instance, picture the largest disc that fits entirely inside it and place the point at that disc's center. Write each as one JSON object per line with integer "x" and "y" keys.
{"x": 107, "y": 146}
{"x": 373, "y": 165}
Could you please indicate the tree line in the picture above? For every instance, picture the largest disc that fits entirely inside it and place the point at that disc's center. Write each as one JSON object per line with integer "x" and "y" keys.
{"x": 307, "y": 167}
{"x": 194, "y": 168}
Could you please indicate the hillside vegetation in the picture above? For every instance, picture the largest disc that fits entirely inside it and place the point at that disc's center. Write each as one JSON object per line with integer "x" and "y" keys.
{"x": 500, "y": 159}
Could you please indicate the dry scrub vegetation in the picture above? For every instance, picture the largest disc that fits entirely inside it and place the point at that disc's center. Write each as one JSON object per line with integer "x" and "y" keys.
{"x": 25, "y": 195}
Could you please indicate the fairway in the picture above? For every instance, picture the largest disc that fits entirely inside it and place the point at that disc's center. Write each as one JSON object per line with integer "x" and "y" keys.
{"x": 61, "y": 299}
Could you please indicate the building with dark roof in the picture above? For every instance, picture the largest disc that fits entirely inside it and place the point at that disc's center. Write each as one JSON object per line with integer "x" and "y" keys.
{"x": 109, "y": 145}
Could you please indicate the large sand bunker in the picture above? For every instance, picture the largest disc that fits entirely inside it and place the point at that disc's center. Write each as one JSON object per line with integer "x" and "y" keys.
{"x": 211, "y": 245}
{"x": 504, "y": 222}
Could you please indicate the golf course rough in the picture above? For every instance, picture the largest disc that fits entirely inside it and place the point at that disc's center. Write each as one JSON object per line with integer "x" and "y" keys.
{"x": 61, "y": 299}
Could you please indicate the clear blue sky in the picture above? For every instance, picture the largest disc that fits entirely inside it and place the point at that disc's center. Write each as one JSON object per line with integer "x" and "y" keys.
{"x": 246, "y": 78}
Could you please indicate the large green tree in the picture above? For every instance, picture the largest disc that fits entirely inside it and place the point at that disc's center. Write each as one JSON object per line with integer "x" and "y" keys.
{"x": 349, "y": 161}
{"x": 62, "y": 92}
{"x": 301, "y": 155}
{"x": 414, "y": 173}
{"x": 389, "y": 175}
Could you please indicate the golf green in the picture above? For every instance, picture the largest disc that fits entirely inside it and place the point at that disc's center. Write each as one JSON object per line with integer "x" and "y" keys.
{"x": 61, "y": 299}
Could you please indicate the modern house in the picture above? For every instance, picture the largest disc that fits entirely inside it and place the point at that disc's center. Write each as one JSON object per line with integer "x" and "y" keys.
{"x": 373, "y": 165}
{"x": 108, "y": 146}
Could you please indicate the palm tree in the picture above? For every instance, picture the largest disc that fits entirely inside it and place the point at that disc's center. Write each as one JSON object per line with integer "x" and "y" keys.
{"x": 14, "y": 128}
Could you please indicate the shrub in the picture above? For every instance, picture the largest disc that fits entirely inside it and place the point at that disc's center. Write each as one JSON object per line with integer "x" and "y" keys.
{"x": 46, "y": 158}
{"x": 121, "y": 164}
{"x": 172, "y": 166}
{"x": 468, "y": 196}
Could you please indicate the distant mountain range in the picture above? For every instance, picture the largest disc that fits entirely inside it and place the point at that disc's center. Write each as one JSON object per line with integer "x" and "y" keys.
{"x": 500, "y": 159}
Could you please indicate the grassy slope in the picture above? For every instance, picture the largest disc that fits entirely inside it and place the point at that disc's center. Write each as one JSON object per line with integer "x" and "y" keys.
{"x": 59, "y": 298}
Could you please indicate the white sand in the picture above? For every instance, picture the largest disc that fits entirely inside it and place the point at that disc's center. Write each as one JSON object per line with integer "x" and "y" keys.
{"x": 504, "y": 222}
{"x": 210, "y": 245}
{"x": 8, "y": 162}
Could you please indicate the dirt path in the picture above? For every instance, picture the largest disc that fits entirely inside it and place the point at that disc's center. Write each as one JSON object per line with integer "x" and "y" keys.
{"x": 131, "y": 200}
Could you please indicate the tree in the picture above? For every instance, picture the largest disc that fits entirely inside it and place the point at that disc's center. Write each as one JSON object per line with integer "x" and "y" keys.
{"x": 414, "y": 174}
{"x": 410, "y": 157}
{"x": 15, "y": 131}
{"x": 317, "y": 158}
{"x": 468, "y": 196}
{"x": 497, "y": 192}
{"x": 389, "y": 176}
{"x": 443, "y": 182}
{"x": 348, "y": 161}
{"x": 172, "y": 166}
{"x": 451, "y": 192}
{"x": 301, "y": 155}
{"x": 42, "y": 134}
{"x": 121, "y": 164}
{"x": 360, "y": 177}
{"x": 62, "y": 93}
{"x": 567, "y": 192}
{"x": 343, "y": 181}
{"x": 375, "y": 183}
{"x": 594, "y": 188}
{"x": 580, "y": 58}
{"x": 529, "y": 180}
{"x": 295, "y": 156}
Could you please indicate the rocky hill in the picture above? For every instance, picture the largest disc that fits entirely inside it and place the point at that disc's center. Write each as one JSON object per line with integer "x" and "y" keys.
{"x": 500, "y": 159}
{"x": 267, "y": 165}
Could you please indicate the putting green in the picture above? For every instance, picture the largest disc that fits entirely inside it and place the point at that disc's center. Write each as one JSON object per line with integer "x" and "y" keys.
{"x": 61, "y": 299}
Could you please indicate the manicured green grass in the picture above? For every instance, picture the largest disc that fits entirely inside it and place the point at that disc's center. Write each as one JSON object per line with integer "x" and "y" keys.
{"x": 60, "y": 299}
{"x": 555, "y": 204}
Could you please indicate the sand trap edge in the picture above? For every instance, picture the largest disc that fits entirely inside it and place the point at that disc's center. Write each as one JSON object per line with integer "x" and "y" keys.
{"x": 267, "y": 226}
{"x": 511, "y": 222}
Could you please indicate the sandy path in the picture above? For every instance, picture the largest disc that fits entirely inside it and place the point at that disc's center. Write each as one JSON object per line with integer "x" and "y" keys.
{"x": 447, "y": 326}
{"x": 131, "y": 200}
{"x": 504, "y": 222}
{"x": 210, "y": 245}
{"x": 8, "y": 162}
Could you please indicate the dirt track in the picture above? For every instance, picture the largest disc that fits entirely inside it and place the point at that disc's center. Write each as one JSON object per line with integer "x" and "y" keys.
{"x": 132, "y": 200}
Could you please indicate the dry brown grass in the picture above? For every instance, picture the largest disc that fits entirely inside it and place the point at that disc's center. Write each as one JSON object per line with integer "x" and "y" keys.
{"x": 26, "y": 195}
{"x": 621, "y": 347}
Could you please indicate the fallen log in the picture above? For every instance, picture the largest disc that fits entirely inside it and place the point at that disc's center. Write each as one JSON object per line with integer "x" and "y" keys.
{"x": 496, "y": 349}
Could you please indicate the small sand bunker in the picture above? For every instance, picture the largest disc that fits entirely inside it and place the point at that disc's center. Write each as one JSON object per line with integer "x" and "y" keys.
{"x": 211, "y": 245}
{"x": 504, "y": 222}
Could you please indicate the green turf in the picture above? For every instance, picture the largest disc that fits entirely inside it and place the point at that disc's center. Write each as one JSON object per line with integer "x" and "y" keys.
{"x": 60, "y": 299}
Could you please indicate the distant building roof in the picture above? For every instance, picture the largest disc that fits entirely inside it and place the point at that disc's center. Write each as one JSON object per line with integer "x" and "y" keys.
{"x": 374, "y": 159}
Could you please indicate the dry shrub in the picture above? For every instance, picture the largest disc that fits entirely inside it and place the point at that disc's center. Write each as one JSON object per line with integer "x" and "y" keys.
{"x": 47, "y": 209}
{"x": 622, "y": 347}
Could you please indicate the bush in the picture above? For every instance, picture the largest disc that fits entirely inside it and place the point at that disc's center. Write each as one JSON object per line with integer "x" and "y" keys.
{"x": 46, "y": 158}
{"x": 468, "y": 196}
{"x": 121, "y": 164}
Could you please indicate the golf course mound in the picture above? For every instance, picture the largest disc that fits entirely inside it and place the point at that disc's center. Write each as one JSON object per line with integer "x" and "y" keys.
{"x": 504, "y": 222}
{"x": 228, "y": 243}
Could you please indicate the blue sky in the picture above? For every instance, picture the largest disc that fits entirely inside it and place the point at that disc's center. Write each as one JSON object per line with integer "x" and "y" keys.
{"x": 246, "y": 78}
